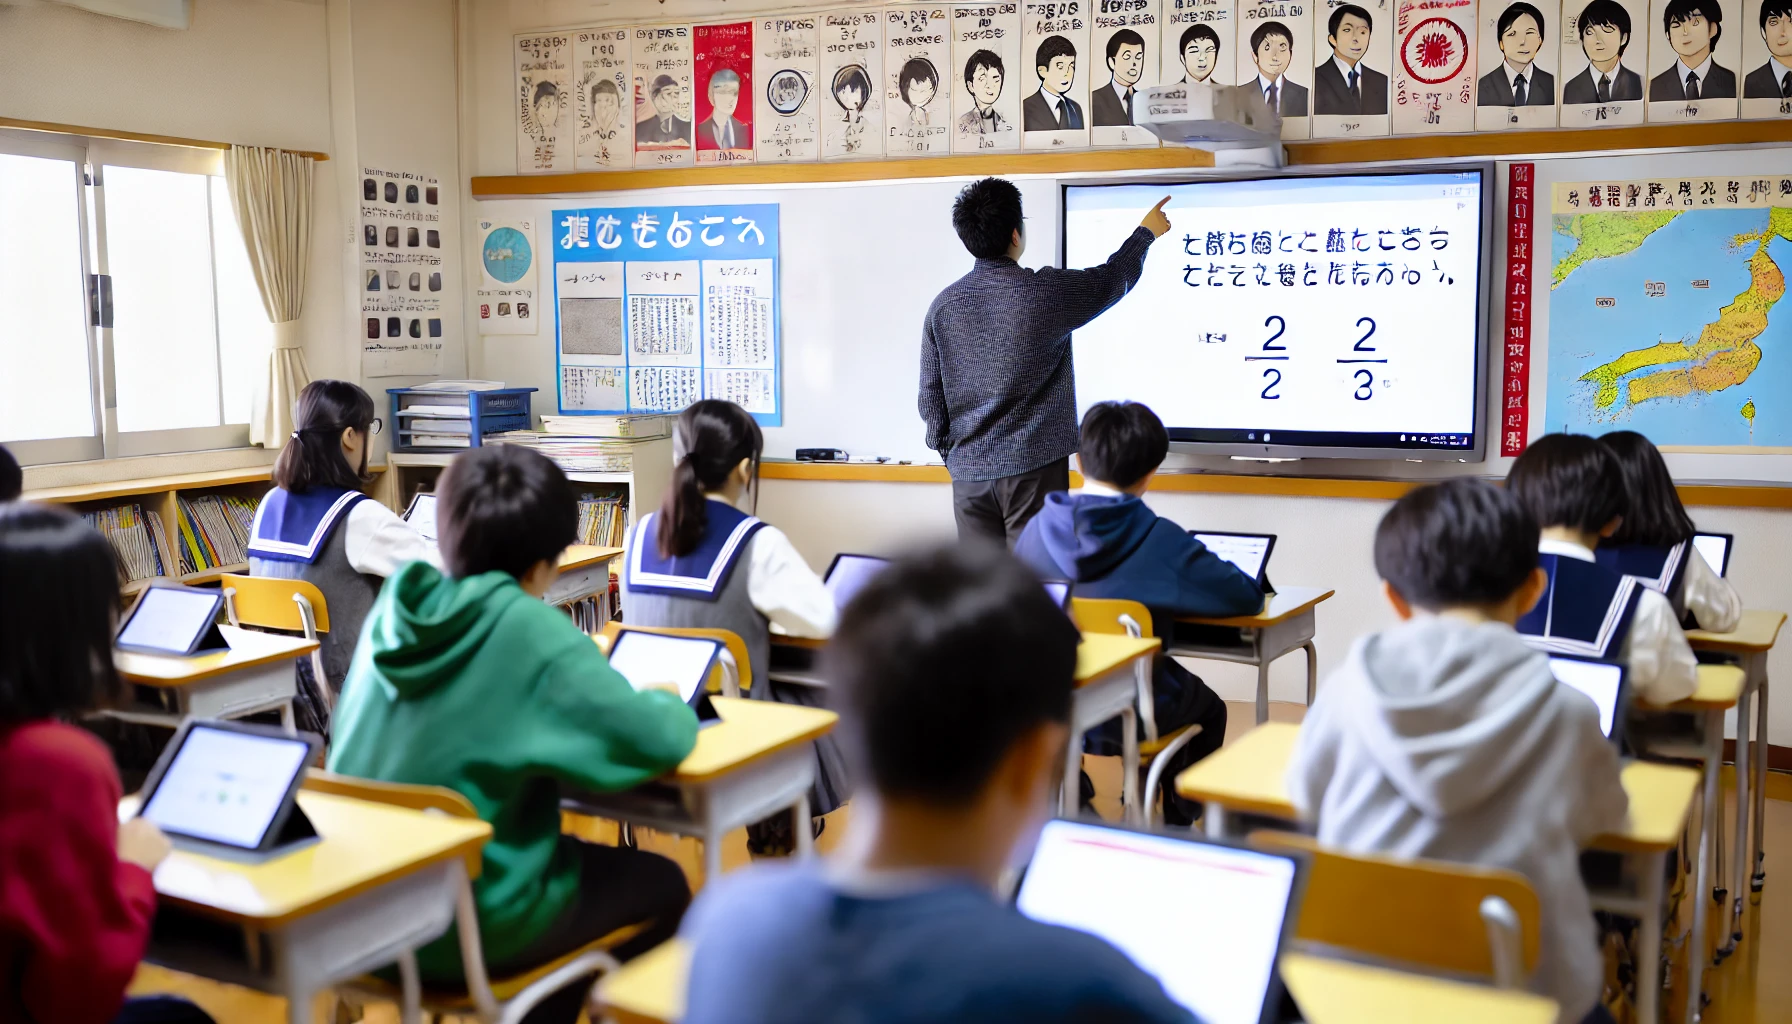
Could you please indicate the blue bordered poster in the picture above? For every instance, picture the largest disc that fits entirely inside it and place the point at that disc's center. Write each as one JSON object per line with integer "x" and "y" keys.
{"x": 658, "y": 306}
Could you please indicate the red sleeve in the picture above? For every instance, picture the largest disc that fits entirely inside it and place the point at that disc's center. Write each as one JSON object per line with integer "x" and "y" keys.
{"x": 74, "y": 919}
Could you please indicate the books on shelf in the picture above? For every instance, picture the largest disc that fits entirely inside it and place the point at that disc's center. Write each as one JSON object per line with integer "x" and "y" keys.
{"x": 214, "y": 531}
{"x": 136, "y": 538}
{"x": 603, "y": 521}
{"x": 574, "y": 453}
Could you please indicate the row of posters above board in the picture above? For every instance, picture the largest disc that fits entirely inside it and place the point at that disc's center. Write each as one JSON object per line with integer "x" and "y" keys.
{"x": 919, "y": 80}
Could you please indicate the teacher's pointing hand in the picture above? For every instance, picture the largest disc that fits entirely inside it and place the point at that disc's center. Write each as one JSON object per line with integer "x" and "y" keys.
{"x": 1155, "y": 221}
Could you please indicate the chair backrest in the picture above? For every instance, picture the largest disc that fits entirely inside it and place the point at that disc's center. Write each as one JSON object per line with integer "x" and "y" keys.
{"x": 1104, "y": 614}
{"x": 267, "y": 603}
{"x": 399, "y": 794}
{"x": 737, "y": 648}
{"x": 1418, "y": 912}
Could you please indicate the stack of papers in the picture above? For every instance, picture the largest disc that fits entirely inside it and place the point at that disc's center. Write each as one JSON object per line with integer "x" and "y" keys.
{"x": 574, "y": 453}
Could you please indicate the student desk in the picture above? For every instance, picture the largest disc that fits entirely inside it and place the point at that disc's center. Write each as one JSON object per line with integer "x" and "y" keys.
{"x": 1108, "y": 674}
{"x": 1248, "y": 777}
{"x": 380, "y": 881}
{"x": 1284, "y": 626}
{"x": 756, "y": 761}
{"x": 255, "y": 674}
{"x": 584, "y": 572}
{"x": 650, "y": 988}
{"x": 1332, "y": 991}
{"x": 810, "y": 648}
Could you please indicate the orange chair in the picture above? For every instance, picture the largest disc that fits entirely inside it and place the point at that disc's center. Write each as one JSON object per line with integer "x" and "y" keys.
{"x": 288, "y": 606}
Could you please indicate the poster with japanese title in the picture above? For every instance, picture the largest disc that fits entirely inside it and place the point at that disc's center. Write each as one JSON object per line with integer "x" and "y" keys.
{"x": 1434, "y": 66}
{"x": 1275, "y": 58}
{"x": 1123, "y": 39}
{"x": 506, "y": 290}
{"x": 1198, "y": 39}
{"x": 1766, "y": 31}
{"x": 663, "y": 76}
{"x": 985, "y": 81}
{"x": 917, "y": 80}
{"x": 543, "y": 76}
{"x": 1695, "y": 52}
{"x": 1605, "y": 50}
{"x": 603, "y": 83}
{"x": 722, "y": 59}
{"x": 1054, "y": 44}
{"x": 658, "y": 306}
{"x": 852, "y": 70}
{"x": 1353, "y": 53}
{"x": 786, "y": 59}
{"x": 1518, "y": 83}
{"x": 401, "y": 273}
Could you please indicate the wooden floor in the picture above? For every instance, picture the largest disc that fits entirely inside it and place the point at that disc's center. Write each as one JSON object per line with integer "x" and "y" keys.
{"x": 1752, "y": 987}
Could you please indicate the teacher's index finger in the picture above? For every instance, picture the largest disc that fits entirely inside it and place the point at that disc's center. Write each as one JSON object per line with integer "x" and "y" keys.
{"x": 1161, "y": 203}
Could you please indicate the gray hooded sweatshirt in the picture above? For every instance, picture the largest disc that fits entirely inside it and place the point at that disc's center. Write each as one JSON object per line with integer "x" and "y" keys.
{"x": 1451, "y": 740}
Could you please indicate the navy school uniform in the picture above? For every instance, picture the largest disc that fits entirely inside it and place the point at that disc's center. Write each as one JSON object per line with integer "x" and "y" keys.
{"x": 1661, "y": 568}
{"x": 1587, "y": 609}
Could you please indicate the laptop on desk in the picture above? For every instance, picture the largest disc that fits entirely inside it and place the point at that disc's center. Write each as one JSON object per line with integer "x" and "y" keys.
{"x": 1249, "y": 551}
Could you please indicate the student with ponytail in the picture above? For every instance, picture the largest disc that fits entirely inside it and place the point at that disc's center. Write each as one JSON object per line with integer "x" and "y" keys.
{"x": 700, "y": 561}
{"x": 1654, "y": 542}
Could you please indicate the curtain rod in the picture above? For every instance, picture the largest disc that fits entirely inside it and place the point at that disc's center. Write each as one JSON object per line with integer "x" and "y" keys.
{"x": 108, "y": 133}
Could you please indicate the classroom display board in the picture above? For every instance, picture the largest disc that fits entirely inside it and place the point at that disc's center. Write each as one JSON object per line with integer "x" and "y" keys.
{"x": 506, "y": 290}
{"x": 658, "y": 306}
{"x": 401, "y": 273}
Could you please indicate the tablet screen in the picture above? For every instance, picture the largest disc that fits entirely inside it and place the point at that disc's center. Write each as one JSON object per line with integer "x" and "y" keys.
{"x": 1205, "y": 920}
{"x": 849, "y": 574}
{"x": 422, "y": 515}
{"x": 1597, "y": 679}
{"x": 1715, "y": 548}
{"x": 169, "y": 619}
{"x": 645, "y": 659}
{"x": 1059, "y": 591}
{"x": 1245, "y": 550}
{"x": 226, "y": 786}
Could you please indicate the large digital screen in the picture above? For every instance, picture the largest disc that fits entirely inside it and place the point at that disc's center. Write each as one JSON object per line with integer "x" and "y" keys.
{"x": 1296, "y": 315}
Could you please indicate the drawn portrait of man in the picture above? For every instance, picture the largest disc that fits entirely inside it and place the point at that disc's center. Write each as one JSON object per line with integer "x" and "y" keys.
{"x": 852, "y": 90}
{"x": 1344, "y": 85}
{"x": 1693, "y": 27}
{"x": 1051, "y": 108}
{"x": 543, "y": 114}
{"x": 1518, "y": 82}
{"x": 1773, "y": 80}
{"x": 983, "y": 75}
{"x": 1604, "y": 36}
{"x": 1199, "y": 52}
{"x": 918, "y": 84}
{"x": 721, "y": 129}
{"x": 606, "y": 107}
{"x": 665, "y": 126}
{"x": 1111, "y": 106}
{"x": 1272, "y": 50}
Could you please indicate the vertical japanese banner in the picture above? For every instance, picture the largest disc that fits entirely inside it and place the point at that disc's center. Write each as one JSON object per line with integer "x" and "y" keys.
{"x": 1766, "y": 31}
{"x": 722, "y": 58}
{"x": 785, "y": 63}
{"x": 1054, "y": 46}
{"x": 852, "y": 71}
{"x": 1515, "y": 417}
{"x": 917, "y": 80}
{"x": 1353, "y": 51}
{"x": 1693, "y": 59}
{"x": 658, "y": 306}
{"x": 662, "y": 103}
{"x": 603, "y": 80}
{"x": 986, "y": 76}
{"x": 1123, "y": 50}
{"x": 1275, "y": 58}
{"x": 542, "y": 79}
{"x": 1604, "y": 42}
{"x": 1518, "y": 64}
{"x": 1434, "y": 66}
{"x": 1198, "y": 42}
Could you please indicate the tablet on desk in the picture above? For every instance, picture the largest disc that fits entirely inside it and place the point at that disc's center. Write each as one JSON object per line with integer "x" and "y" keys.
{"x": 173, "y": 620}
{"x": 1249, "y": 551}
{"x": 422, "y": 514}
{"x": 1715, "y": 548}
{"x": 1059, "y": 590}
{"x": 1601, "y": 681}
{"x": 649, "y": 659}
{"x": 1206, "y": 919}
{"x": 223, "y": 788}
{"x": 849, "y": 573}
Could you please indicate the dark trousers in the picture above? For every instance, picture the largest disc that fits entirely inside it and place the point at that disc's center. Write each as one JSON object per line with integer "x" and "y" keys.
{"x": 1179, "y": 698}
{"x": 160, "y": 1010}
{"x": 999, "y": 510}
{"x": 617, "y": 887}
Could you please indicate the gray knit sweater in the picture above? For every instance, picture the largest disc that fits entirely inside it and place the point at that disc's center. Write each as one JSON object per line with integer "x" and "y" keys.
{"x": 997, "y": 392}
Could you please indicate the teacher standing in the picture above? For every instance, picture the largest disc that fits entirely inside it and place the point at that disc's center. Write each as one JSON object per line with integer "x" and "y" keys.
{"x": 997, "y": 391}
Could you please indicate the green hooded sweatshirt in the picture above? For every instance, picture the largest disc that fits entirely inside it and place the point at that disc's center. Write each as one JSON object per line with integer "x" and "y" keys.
{"x": 475, "y": 685}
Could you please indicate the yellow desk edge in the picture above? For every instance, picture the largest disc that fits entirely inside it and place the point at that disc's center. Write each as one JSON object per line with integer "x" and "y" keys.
{"x": 649, "y": 989}
{"x": 579, "y": 556}
{"x": 1333, "y": 991}
{"x": 1719, "y": 688}
{"x": 722, "y": 748}
{"x": 1759, "y": 630}
{"x": 1278, "y": 607}
{"x": 1101, "y": 653}
{"x": 171, "y": 670}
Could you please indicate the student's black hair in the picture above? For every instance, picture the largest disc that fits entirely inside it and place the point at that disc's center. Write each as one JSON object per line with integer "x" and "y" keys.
{"x": 1050, "y": 47}
{"x": 1124, "y": 37}
{"x": 313, "y": 453}
{"x": 58, "y": 595}
{"x": 544, "y": 89}
{"x": 604, "y": 85}
{"x": 986, "y": 215}
{"x": 941, "y": 663}
{"x": 1199, "y": 31}
{"x": 1461, "y": 542}
{"x": 1607, "y": 14}
{"x": 918, "y": 69}
{"x": 854, "y": 76}
{"x": 12, "y": 478}
{"x": 661, "y": 84}
{"x": 1337, "y": 18}
{"x": 1524, "y": 10}
{"x": 1678, "y": 11}
{"x": 503, "y": 508}
{"x": 1774, "y": 9}
{"x": 983, "y": 59}
{"x": 1569, "y": 480}
{"x": 1267, "y": 29}
{"x": 710, "y": 438}
{"x": 1653, "y": 513}
{"x": 1121, "y": 442}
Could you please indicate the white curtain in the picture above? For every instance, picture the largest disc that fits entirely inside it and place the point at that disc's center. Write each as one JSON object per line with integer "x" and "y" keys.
{"x": 271, "y": 192}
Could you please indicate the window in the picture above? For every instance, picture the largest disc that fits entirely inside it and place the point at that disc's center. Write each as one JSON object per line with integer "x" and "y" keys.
{"x": 132, "y": 324}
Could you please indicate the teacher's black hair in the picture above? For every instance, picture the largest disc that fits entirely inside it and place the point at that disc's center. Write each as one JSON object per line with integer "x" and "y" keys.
{"x": 1654, "y": 513}
{"x": 986, "y": 215}
{"x": 58, "y": 599}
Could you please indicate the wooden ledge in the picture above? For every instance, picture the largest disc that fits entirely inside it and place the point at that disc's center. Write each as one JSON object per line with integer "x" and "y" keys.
{"x": 124, "y": 136}
{"x": 1551, "y": 140}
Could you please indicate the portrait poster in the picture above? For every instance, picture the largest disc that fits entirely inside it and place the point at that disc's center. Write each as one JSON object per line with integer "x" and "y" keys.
{"x": 852, "y": 71}
{"x": 506, "y": 291}
{"x": 1766, "y": 32}
{"x": 1353, "y": 56}
{"x": 1123, "y": 45}
{"x": 1605, "y": 50}
{"x": 1519, "y": 82}
{"x": 1695, "y": 59}
{"x": 723, "y": 65}
{"x": 986, "y": 83}
{"x": 785, "y": 62}
{"x": 1200, "y": 38}
{"x": 542, "y": 79}
{"x": 663, "y": 116}
{"x": 917, "y": 80}
{"x": 1275, "y": 58}
{"x": 402, "y": 256}
{"x": 603, "y": 105}
{"x": 1434, "y": 66}
{"x": 1054, "y": 45}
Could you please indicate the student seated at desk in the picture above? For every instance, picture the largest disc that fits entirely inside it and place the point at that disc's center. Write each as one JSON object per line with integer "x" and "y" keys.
{"x": 699, "y": 561}
{"x": 76, "y": 899}
{"x": 1573, "y": 488}
{"x": 317, "y": 488}
{"x": 1447, "y": 736}
{"x": 12, "y": 478}
{"x": 953, "y": 674}
{"x": 1655, "y": 538}
{"x": 1109, "y": 543}
{"x": 469, "y": 680}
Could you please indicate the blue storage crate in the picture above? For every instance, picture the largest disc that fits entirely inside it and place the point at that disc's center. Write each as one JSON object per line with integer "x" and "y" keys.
{"x": 470, "y": 414}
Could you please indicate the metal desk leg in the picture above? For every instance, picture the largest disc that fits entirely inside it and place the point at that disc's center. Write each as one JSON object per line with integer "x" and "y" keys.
{"x": 1262, "y": 685}
{"x": 804, "y": 828}
{"x": 1214, "y": 819}
{"x": 411, "y": 985}
{"x": 1696, "y": 951}
{"x": 1744, "y": 807}
{"x": 1648, "y": 941}
{"x": 1312, "y": 671}
{"x": 712, "y": 855}
{"x": 1073, "y": 770}
{"x": 1130, "y": 807}
{"x": 1761, "y": 750}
